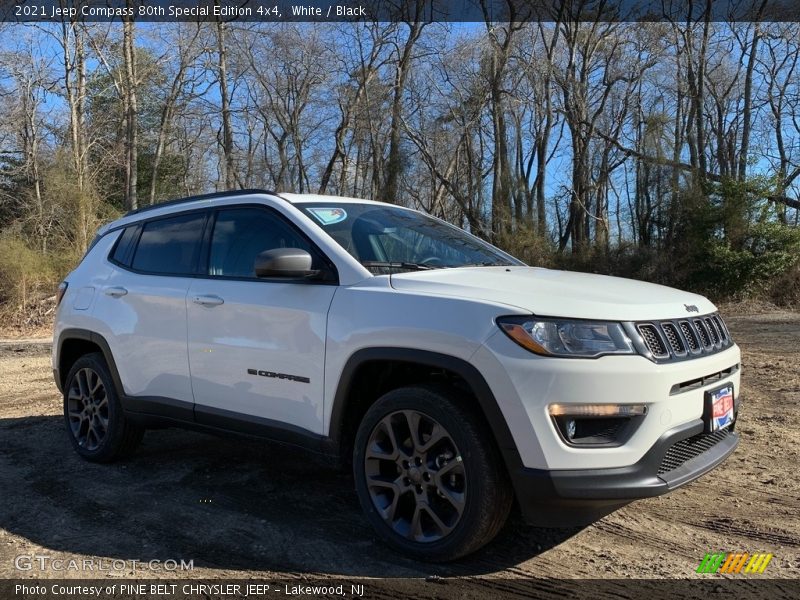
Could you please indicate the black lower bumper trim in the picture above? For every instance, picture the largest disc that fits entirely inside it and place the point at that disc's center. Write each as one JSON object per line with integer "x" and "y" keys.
{"x": 578, "y": 497}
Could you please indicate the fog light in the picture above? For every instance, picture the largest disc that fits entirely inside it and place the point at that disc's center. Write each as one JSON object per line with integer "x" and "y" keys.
{"x": 596, "y": 425}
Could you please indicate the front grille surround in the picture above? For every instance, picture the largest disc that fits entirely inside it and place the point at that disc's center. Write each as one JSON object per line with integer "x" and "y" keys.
{"x": 680, "y": 339}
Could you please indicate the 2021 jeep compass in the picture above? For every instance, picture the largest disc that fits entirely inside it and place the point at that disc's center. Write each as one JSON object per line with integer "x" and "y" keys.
{"x": 454, "y": 377}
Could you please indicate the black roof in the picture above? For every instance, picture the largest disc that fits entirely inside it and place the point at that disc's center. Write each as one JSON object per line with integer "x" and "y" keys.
{"x": 210, "y": 196}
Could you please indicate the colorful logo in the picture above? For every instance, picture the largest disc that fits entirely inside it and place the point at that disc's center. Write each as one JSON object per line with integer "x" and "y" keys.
{"x": 734, "y": 562}
{"x": 329, "y": 216}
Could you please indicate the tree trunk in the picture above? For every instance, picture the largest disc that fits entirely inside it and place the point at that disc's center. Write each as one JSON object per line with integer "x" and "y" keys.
{"x": 131, "y": 117}
{"x": 394, "y": 161}
{"x": 75, "y": 90}
{"x": 227, "y": 129}
{"x": 747, "y": 109}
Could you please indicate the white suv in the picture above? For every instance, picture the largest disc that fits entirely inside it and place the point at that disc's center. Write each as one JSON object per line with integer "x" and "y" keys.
{"x": 454, "y": 377}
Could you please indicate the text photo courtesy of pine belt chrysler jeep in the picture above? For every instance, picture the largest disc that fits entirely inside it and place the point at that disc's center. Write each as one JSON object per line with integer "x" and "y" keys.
{"x": 456, "y": 379}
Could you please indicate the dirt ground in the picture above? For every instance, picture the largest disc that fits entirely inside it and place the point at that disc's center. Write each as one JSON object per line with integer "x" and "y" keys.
{"x": 243, "y": 509}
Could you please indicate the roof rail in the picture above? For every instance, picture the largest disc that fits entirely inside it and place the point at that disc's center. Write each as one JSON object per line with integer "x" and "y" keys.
{"x": 210, "y": 196}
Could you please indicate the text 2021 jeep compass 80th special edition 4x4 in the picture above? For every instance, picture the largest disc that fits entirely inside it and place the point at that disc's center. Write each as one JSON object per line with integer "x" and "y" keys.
{"x": 454, "y": 377}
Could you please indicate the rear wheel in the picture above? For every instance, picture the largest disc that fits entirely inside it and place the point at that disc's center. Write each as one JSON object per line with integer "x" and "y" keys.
{"x": 96, "y": 423}
{"x": 428, "y": 474}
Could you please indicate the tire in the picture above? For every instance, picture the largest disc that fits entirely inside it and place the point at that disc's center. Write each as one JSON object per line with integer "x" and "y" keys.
{"x": 96, "y": 423}
{"x": 466, "y": 495}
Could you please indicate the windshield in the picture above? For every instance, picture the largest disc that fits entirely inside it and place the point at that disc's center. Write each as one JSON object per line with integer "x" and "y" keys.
{"x": 386, "y": 239}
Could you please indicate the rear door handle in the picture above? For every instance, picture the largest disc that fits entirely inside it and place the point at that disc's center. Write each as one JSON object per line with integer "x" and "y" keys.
{"x": 208, "y": 300}
{"x": 116, "y": 292}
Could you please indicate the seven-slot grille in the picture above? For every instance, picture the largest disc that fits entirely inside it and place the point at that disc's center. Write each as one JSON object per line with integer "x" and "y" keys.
{"x": 678, "y": 339}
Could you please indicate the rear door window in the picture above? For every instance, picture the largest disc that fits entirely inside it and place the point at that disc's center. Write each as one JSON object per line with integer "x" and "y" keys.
{"x": 170, "y": 246}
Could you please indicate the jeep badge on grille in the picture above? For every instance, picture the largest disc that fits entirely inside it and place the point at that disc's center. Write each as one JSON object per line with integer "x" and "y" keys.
{"x": 691, "y": 308}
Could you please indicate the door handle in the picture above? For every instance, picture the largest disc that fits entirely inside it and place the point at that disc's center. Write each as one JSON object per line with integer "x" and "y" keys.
{"x": 116, "y": 292}
{"x": 208, "y": 300}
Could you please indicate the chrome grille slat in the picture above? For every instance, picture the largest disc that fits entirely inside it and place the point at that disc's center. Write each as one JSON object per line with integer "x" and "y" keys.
{"x": 690, "y": 335}
{"x": 653, "y": 340}
{"x": 705, "y": 338}
{"x": 723, "y": 328}
{"x": 712, "y": 330}
{"x": 679, "y": 339}
{"x": 673, "y": 337}
{"x": 720, "y": 329}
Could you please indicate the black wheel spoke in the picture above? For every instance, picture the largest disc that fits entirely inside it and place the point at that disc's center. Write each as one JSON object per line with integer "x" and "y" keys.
{"x": 415, "y": 530}
{"x": 103, "y": 420}
{"x": 378, "y": 444}
{"x": 414, "y": 420}
{"x": 95, "y": 385}
{"x": 443, "y": 528}
{"x": 450, "y": 466}
{"x": 456, "y": 499}
{"x": 381, "y": 482}
{"x": 83, "y": 383}
{"x": 438, "y": 434}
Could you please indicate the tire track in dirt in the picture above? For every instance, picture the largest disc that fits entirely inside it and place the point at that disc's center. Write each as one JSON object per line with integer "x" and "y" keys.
{"x": 748, "y": 530}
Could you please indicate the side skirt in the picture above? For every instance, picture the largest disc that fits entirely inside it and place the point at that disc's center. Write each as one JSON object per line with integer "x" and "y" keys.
{"x": 152, "y": 412}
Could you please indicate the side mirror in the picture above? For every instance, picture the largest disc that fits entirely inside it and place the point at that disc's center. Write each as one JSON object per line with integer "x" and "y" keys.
{"x": 287, "y": 263}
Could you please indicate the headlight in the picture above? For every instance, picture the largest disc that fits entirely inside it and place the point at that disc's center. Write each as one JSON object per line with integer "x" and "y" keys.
{"x": 565, "y": 337}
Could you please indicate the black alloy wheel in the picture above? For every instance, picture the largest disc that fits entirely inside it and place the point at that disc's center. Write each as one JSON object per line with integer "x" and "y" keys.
{"x": 96, "y": 422}
{"x": 87, "y": 409}
{"x": 415, "y": 476}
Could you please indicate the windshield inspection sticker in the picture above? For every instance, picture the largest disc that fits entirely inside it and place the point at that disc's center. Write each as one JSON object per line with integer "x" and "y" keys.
{"x": 328, "y": 216}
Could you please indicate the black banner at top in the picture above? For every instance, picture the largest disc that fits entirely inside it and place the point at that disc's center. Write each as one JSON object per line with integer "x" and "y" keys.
{"x": 320, "y": 11}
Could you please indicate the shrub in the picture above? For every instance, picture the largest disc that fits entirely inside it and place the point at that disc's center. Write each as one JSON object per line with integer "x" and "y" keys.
{"x": 28, "y": 280}
{"x": 769, "y": 250}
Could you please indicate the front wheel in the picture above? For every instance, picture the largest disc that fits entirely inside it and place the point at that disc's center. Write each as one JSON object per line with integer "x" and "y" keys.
{"x": 428, "y": 474}
{"x": 96, "y": 423}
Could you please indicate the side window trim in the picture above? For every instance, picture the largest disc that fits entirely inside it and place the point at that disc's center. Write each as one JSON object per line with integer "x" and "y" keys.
{"x": 203, "y": 265}
{"x": 205, "y": 251}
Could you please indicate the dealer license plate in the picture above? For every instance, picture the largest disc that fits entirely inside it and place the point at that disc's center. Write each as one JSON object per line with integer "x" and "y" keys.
{"x": 719, "y": 408}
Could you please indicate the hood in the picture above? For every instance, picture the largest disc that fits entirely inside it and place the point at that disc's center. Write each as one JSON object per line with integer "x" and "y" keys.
{"x": 549, "y": 293}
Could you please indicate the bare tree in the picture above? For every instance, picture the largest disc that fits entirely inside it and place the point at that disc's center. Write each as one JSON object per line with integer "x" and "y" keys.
{"x": 131, "y": 109}
{"x": 228, "y": 167}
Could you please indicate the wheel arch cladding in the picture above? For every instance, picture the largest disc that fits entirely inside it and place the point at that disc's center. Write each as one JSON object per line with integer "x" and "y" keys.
{"x": 385, "y": 369}
{"x": 74, "y": 343}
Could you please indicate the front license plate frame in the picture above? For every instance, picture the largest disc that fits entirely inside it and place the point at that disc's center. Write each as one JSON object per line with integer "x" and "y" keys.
{"x": 719, "y": 410}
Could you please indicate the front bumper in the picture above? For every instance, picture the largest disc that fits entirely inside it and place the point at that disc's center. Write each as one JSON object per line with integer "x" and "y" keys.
{"x": 525, "y": 385}
{"x": 565, "y": 498}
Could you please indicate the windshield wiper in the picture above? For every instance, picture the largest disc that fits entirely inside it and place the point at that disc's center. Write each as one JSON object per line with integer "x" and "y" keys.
{"x": 487, "y": 263}
{"x": 411, "y": 266}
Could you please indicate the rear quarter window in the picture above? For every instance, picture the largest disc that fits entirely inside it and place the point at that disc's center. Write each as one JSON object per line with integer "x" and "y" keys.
{"x": 123, "y": 249}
